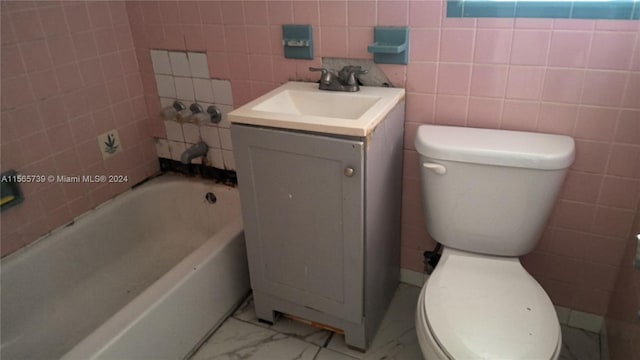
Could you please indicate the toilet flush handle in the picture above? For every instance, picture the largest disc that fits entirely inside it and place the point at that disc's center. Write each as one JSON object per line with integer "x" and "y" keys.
{"x": 437, "y": 168}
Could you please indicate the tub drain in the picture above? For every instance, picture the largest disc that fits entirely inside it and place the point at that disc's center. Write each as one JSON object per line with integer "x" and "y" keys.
{"x": 211, "y": 198}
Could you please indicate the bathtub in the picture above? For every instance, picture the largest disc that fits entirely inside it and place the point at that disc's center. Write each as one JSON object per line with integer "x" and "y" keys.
{"x": 147, "y": 275}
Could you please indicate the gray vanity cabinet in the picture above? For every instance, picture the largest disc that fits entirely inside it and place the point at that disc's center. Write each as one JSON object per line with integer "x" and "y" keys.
{"x": 322, "y": 222}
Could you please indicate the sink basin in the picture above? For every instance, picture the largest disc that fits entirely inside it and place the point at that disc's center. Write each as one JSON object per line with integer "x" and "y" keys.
{"x": 302, "y": 106}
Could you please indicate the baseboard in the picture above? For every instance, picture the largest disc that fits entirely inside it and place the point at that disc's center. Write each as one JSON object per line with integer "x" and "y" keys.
{"x": 566, "y": 316}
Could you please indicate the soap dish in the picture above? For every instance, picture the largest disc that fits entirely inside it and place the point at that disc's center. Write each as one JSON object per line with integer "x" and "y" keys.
{"x": 391, "y": 45}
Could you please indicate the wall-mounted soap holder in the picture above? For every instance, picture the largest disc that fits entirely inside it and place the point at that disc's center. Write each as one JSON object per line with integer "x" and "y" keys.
{"x": 391, "y": 45}
{"x": 297, "y": 41}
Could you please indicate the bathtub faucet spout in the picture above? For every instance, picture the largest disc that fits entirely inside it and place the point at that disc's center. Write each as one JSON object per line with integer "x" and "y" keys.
{"x": 197, "y": 150}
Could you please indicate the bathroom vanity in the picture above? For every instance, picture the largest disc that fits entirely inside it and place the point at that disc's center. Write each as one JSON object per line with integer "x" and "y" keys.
{"x": 320, "y": 177}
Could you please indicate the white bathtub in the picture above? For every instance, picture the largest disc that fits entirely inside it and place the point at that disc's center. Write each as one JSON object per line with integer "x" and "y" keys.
{"x": 145, "y": 276}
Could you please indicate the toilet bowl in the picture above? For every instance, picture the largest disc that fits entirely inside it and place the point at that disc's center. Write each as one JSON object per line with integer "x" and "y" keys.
{"x": 487, "y": 195}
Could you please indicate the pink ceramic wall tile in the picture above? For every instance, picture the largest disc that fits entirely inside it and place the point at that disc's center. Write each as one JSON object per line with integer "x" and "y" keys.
{"x": 492, "y": 46}
{"x": 275, "y": 36}
{"x": 68, "y": 77}
{"x": 594, "y": 301}
{"x": 23, "y": 122}
{"x": 130, "y": 63}
{"x": 210, "y": 12}
{"x": 105, "y": 41}
{"x": 424, "y": 44}
{"x": 260, "y": 67}
{"x": 530, "y": 47}
{"x": 118, "y": 11}
{"x": 454, "y": 79}
{"x": 563, "y": 85}
{"x": 451, "y": 110}
{"x": 450, "y": 22}
{"x": 613, "y": 222}
{"x": 77, "y": 16}
{"x": 560, "y": 292}
{"x": 632, "y": 91}
{"x": 361, "y": 13}
{"x": 489, "y": 80}
{"x": 119, "y": 90}
{"x": 333, "y": 13}
{"x": 595, "y": 123}
{"x": 525, "y": 82}
{"x": 238, "y": 66}
{"x": 85, "y": 45}
{"x": 26, "y": 25}
{"x": 194, "y": 38}
{"x": 259, "y": 39}
{"x": 111, "y": 65}
{"x": 574, "y": 24}
{"x": 91, "y": 71}
{"x": 495, "y": 23}
{"x": 519, "y": 115}
{"x": 531, "y": 23}
{"x": 11, "y": 63}
{"x": 35, "y": 55}
{"x": 61, "y": 50}
{"x": 573, "y": 215}
{"x": 425, "y": 13}
{"x": 615, "y": 192}
{"x": 173, "y": 37}
{"x": 420, "y": 108}
{"x": 604, "y": 88}
{"x": 280, "y": 12}
{"x": 35, "y": 147}
{"x": 44, "y": 84}
{"x": 591, "y": 156}
{"x": 241, "y": 92}
{"x": 16, "y": 92}
{"x": 232, "y": 12}
{"x": 99, "y": 15}
{"x": 569, "y": 48}
{"x": 305, "y": 12}
{"x": 255, "y": 13}
{"x": 411, "y": 259}
{"x": 214, "y": 37}
{"x": 456, "y": 45}
{"x": 611, "y": 50}
{"x": 359, "y": 39}
{"x": 150, "y": 12}
{"x": 628, "y": 127}
{"x": 6, "y": 29}
{"x": 557, "y": 118}
{"x": 393, "y": 13}
{"x": 484, "y": 113}
{"x": 334, "y": 41}
{"x": 624, "y": 161}
{"x": 283, "y": 70}
{"x": 53, "y": 20}
{"x": 582, "y": 187}
{"x": 617, "y": 25}
{"x": 235, "y": 39}
{"x": 60, "y": 137}
{"x": 421, "y": 77}
{"x": 411, "y": 168}
{"x": 82, "y": 129}
{"x": 103, "y": 120}
{"x": 52, "y": 111}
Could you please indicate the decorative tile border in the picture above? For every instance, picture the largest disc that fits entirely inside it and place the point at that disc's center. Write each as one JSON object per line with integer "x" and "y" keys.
{"x": 617, "y": 9}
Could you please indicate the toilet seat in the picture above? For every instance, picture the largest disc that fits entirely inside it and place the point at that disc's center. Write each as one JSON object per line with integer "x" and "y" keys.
{"x": 489, "y": 307}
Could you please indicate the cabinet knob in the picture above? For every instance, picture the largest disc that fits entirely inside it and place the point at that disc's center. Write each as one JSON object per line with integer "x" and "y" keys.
{"x": 349, "y": 171}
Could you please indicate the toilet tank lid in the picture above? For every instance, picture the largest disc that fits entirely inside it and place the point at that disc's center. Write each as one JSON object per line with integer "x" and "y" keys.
{"x": 495, "y": 147}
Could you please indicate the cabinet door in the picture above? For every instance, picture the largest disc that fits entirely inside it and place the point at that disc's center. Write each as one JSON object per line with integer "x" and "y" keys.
{"x": 303, "y": 216}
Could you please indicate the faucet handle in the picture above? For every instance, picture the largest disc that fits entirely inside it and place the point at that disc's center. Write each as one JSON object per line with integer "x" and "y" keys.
{"x": 352, "y": 77}
{"x": 326, "y": 76}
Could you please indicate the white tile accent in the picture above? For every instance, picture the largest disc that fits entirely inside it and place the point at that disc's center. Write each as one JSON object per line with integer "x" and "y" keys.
{"x": 585, "y": 321}
{"x": 166, "y": 86}
{"x": 215, "y": 158}
{"x": 109, "y": 144}
{"x": 162, "y": 148}
{"x": 179, "y": 63}
{"x": 174, "y": 131}
{"x": 164, "y": 102}
{"x": 225, "y": 138}
{"x": 176, "y": 148}
{"x": 160, "y": 61}
{"x": 222, "y": 92}
{"x": 203, "y": 90}
{"x": 191, "y": 133}
{"x": 199, "y": 65}
{"x": 412, "y": 277}
{"x": 229, "y": 160}
{"x": 210, "y": 136}
{"x": 225, "y": 110}
{"x": 184, "y": 89}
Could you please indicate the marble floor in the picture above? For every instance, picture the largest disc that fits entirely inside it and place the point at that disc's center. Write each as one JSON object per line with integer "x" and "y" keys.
{"x": 242, "y": 336}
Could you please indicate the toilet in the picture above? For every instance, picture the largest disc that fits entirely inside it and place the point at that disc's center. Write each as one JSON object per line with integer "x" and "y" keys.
{"x": 487, "y": 195}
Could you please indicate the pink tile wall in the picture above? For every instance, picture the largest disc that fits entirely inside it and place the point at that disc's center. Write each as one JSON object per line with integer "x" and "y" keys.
{"x": 69, "y": 73}
{"x": 573, "y": 77}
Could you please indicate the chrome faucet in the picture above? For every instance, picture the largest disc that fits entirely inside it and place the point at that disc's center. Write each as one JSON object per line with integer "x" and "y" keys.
{"x": 197, "y": 150}
{"x": 345, "y": 80}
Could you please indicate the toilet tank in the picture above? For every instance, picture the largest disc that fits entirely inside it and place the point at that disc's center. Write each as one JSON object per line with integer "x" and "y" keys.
{"x": 490, "y": 191}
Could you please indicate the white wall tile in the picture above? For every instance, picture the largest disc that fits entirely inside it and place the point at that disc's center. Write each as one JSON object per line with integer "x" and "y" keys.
{"x": 199, "y": 65}
{"x": 210, "y": 135}
{"x": 166, "y": 86}
{"x": 225, "y": 138}
{"x": 179, "y": 63}
{"x": 203, "y": 90}
{"x": 174, "y": 130}
{"x": 215, "y": 158}
{"x": 184, "y": 89}
{"x": 225, "y": 110}
{"x": 222, "y": 92}
{"x": 160, "y": 61}
{"x": 229, "y": 160}
{"x": 177, "y": 148}
{"x": 164, "y": 102}
{"x": 191, "y": 133}
{"x": 162, "y": 148}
